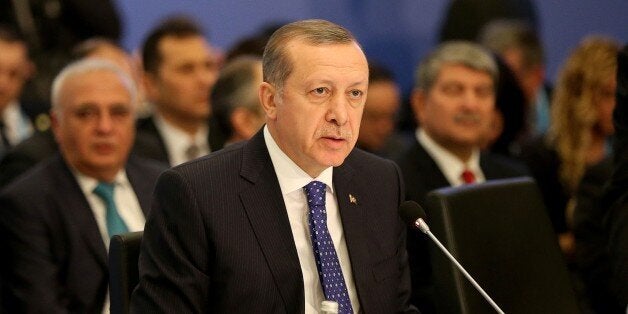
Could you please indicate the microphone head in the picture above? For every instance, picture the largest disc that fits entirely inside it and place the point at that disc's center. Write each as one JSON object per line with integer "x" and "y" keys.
{"x": 411, "y": 211}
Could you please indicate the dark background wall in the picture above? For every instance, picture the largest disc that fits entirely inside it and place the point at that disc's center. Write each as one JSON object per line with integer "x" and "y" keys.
{"x": 394, "y": 32}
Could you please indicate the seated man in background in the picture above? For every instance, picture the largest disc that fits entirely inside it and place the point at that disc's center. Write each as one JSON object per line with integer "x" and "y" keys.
{"x": 377, "y": 130}
{"x": 180, "y": 69}
{"x": 453, "y": 102}
{"x": 41, "y": 144}
{"x": 15, "y": 70}
{"x": 56, "y": 220}
{"x": 235, "y": 100}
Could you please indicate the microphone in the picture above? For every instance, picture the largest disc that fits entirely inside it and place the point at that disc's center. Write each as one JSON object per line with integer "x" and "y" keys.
{"x": 414, "y": 215}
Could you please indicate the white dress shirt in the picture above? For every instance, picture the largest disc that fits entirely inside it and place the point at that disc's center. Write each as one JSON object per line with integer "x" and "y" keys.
{"x": 126, "y": 203}
{"x": 449, "y": 164}
{"x": 177, "y": 141}
{"x": 16, "y": 124}
{"x": 292, "y": 179}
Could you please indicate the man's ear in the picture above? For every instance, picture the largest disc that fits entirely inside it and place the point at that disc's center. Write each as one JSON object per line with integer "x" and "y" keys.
{"x": 268, "y": 97}
{"x": 417, "y": 101}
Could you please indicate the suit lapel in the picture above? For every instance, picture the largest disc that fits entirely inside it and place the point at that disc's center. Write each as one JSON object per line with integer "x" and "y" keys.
{"x": 143, "y": 188}
{"x": 354, "y": 224}
{"x": 267, "y": 214}
{"x": 70, "y": 198}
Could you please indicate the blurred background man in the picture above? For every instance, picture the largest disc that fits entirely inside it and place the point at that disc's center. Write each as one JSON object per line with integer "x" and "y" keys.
{"x": 57, "y": 219}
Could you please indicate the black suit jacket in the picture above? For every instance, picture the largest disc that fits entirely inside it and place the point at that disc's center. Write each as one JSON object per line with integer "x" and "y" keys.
{"x": 55, "y": 260}
{"x": 219, "y": 239}
{"x": 617, "y": 193}
{"x": 422, "y": 175}
{"x": 150, "y": 144}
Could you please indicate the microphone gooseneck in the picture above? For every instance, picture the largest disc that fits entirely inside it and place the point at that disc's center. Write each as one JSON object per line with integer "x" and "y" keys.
{"x": 414, "y": 215}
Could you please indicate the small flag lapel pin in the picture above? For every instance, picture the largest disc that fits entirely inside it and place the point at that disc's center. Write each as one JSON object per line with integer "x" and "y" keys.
{"x": 353, "y": 200}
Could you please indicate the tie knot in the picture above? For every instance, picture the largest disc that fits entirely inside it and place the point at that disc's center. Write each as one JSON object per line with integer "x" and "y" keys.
{"x": 315, "y": 192}
{"x": 468, "y": 176}
{"x": 104, "y": 190}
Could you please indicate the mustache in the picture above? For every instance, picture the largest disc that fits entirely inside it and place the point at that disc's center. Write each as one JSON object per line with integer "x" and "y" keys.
{"x": 468, "y": 117}
{"x": 334, "y": 131}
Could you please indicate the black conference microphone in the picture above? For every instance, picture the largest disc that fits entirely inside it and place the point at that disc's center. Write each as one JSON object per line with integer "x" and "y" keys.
{"x": 414, "y": 215}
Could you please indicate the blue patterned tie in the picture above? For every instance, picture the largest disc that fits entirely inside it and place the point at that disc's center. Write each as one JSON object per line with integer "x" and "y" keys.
{"x": 329, "y": 271}
{"x": 115, "y": 224}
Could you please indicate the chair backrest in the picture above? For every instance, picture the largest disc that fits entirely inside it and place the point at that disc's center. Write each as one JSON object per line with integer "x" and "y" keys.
{"x": 501, "y": 234}
{"x": 124, "y": 251}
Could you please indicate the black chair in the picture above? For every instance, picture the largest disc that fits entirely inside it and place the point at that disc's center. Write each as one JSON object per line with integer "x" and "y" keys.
{"x": 124, "y": 251}
{"x": 501, "y": 234}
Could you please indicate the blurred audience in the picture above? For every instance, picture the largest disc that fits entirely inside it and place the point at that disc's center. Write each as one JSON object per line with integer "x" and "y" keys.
{"x": 41, "y": 144}
{"x": 15, "y": 69}
{"x": 508, "y": 118}
{"x": 51, "y": 28}
{"x": 617, "y": 194}
{"x": 579, "y": 133}
{"x": 57, "y": 219}
{"x": 180, "y": 69}
{"x": 235, "y": 99}
{"x": 377, "y": 129}
{"x": 519, "y": 46}
{"x": 453, "y": 101}
{"x": 464, "y": 19}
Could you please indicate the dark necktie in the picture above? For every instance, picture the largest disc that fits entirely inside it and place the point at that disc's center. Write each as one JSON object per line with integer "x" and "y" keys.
{"x": 115, "y": 224}
{"x": 327, "y": 263}
{"x": 468, "y": 176}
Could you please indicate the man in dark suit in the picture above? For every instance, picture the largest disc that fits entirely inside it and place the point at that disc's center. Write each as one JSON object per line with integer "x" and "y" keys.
{"x": 180, "y": 69}
{"x": 453, "y": 102}
{"x": 56, "y": 220}
{"x": 230, "y": 232}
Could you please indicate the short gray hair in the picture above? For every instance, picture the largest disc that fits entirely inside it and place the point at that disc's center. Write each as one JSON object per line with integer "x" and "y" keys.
{"x": 454, "y": 52}
{"x": 277, "y": 65}
{"x": 501, "y": 35}
{"x": 85, "y": 66}
{"x": 236, "y": 87}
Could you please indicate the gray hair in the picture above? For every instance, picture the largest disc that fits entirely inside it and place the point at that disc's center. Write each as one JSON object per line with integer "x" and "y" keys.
{"x": 454, "y": 52}
{"x": 504, "y": 34}
{"x": 277, "y": 65}
{"x": 85, "y": 66}
{"x": 236, "y": 87}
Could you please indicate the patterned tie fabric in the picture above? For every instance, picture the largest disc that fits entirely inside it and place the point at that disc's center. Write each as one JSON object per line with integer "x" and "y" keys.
{"x": 468, "y": 176}
{"x": 115, "y": 224}
{"x": 329, "y": 271}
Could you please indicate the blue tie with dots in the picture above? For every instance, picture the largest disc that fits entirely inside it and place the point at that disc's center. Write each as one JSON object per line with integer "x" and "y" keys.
{"x": 329, "y": 271}
{"x": 115, "y": 224}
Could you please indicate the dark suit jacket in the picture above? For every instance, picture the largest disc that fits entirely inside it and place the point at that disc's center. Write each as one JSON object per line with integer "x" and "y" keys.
{"x": 617, "y": 194}
{"x": 219, "y": 240}
{"x": 25, "y": 155}
{"x": 422, "y": 175}
{"x": 55, "y": 260}
{"x": 150, "y": 144}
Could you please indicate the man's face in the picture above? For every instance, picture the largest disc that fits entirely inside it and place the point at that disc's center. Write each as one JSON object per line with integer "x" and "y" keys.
{"x": 456, "y": 111}
{"x": 187, "y": 72}
{"x": 378, "y": 121}
{"x": 95, "y": 123}
{"x": 14, "y": 71}
{"x": 315, "y": 119}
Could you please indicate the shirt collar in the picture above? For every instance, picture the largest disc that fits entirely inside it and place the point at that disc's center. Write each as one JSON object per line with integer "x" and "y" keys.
{"x": 290, "y": 176}
{"x": 177, "y": 138}
{"x": 449, "y": 164}
{"x": 88, "y": 184}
